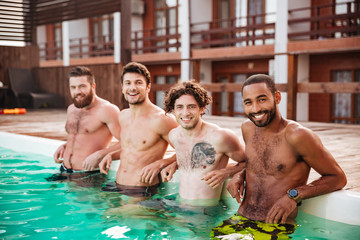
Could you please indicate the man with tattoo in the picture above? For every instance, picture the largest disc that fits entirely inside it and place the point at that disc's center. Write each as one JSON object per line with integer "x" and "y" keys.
{"x": 280, "y": 154}
{"x": 143, "y": 137}
{"x": 202, "y": 149}
{"x": 91, "y": 124}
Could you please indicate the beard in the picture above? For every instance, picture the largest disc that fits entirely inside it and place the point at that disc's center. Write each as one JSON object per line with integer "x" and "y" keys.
{"x": 138, "y": 101}
{"x": 270, "y": 117}
{"x": 85, "y": 101}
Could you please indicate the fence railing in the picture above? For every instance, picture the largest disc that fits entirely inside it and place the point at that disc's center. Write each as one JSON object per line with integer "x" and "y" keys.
{"x": 336, "y": 20}
{"x": 243, "y": 31}
{"x": 156, "y": 40}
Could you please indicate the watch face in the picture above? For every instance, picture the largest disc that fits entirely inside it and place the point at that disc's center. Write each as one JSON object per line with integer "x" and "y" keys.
{"x": 293, "y": 193}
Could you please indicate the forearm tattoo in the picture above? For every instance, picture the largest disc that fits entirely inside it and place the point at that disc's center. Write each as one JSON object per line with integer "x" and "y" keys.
{"x": 202, "y": 155}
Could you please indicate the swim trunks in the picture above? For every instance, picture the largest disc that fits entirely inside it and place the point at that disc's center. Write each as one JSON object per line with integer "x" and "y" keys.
{"x": 69, "y": 170}
{"x": 82, "y": 178}
{"x": 132, "y": 191}
{"x": 239, "y": 227}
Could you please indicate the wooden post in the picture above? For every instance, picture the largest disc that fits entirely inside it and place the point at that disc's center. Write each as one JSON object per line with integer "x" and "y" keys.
{"x": 196, "y": 70}
{"x": 125, "y": 33}
{"x": 292, "y": 87}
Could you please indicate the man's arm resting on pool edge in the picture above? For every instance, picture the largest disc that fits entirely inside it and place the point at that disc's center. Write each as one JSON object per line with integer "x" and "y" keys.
{"x": 151, "y": 171}
{"x": 307, "y": 144}
{"x": 92, "y": 161}
{"x": 59, "y": 153}
{"x": 105, "y": 164}
{"x": 216, "y": 177}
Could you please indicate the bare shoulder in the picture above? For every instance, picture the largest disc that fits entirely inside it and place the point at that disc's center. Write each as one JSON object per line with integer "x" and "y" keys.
{"x": 219, "y": 132}
{"x": 303, "y": 140}
{"x": 247, "y": 127}
{"x": 70, "y": 108}
{"x": 107, "y": 111}
{"x": 221, "y": 136}
{"x": 174, "y": 134}
{"x": 296, "y": 133}
{"x": 161, "y": 120}
{"x": 124, "y": 114}
{"x": 106, "y": 106}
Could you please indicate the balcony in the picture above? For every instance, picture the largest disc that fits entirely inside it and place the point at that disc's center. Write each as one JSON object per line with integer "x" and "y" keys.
{"x": 339, "y": 20}
{"x": 235, "y": 32}
{"x": 244, "y": 36}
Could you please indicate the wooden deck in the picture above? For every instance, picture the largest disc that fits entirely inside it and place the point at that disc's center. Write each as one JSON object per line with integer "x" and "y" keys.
{"x": 343, "y": 141}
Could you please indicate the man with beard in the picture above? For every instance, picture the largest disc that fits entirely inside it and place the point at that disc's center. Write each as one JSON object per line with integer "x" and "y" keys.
{"x": 280, "y": 154}
{"x": 143, "y": 137}
{"x": 202, "y": 149}
{"x": 91, "y": 124}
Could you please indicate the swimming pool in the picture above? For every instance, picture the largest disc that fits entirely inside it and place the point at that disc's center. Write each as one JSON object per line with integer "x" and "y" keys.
{"x": 31, "y": 207}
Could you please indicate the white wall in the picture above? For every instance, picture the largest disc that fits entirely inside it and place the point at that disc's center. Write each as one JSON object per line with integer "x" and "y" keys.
{"x": 294, "y": 4}
{"x": 302, "y": 104}
{"x": 281, "y": 59}
{"x": 205, "y": 77}
{"x": 41, "y": 34}
{"x": 136, "y": 23}
{"x": 78, "y": 28}
{"x": 200, "y": 6}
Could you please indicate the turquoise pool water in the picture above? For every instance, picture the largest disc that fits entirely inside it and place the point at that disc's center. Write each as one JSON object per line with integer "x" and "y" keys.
{"x": 34, "y": 208}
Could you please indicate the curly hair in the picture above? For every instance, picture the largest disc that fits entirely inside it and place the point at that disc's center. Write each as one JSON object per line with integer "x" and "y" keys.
{"x": 134, "y": 67}
{"x": 80, "y": 71}
{"x": 186, "y": 88}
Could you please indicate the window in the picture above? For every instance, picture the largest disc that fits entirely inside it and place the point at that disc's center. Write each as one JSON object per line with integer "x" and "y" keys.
{"x": 256, "y": 7}
{"x": 102, "y": 35}
{"x": 53, "y": 42}
{"x": 166, "y": 23}
{"x": 160, "y": 95}
{"x": 346, "y": 106}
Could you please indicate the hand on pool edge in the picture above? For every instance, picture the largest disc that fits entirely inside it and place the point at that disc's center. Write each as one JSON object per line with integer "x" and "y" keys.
{"x": 150, "y": 172}
{"x": 59, "y": 153}
{"x": 105, "y": 164}
{"x": 236, "y": 186}
{"x": 168, "y": 172}
{"x": 280, "y": 211}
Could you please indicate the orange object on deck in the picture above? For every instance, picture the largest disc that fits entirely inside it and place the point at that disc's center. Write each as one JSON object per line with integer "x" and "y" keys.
{"x": 13, "y": 111}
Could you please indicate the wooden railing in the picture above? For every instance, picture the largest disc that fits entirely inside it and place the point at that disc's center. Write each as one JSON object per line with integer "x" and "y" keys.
{"x": 156, "y": 40}
{"x": 51, "y": 50}
{"x": 315, "y": 22}
{"x": 243, "y": 31}
{"x": 79, "y": 48}
{"x": 324, "y": 21}
{"x": 292, "y": 89}
{"x": 94, "y": 47}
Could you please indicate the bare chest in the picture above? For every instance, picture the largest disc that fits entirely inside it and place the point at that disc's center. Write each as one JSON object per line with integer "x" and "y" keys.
{"x": 196, "y": 155}
{"x": 269, "y": 155}
{"x": 139, "y": 136}
{"x": 83, "y": 122}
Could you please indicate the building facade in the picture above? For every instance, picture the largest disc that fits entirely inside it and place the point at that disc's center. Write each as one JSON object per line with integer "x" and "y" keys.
{"x": 222, "y": 42}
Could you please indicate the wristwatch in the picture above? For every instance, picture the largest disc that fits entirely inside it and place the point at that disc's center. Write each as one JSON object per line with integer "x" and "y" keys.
{"x": 294, "y": 195}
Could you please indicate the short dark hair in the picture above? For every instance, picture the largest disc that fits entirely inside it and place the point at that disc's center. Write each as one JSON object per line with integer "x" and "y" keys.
{"x": 261, "y": 78}
{"x": 134, "y": 67}
{"x": 186, "y": 88}
{"x": 80, "y": 71}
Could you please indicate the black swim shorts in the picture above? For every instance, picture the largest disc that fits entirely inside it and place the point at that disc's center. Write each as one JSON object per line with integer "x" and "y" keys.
{"x": 132, "y": 191}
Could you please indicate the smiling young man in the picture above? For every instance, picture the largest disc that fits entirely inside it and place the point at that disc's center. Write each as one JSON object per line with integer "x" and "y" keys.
{"x": 143, "y": 137}
{"x": 202, "y": 149}
{"x": 91, "y": 124}
{"x": 280, "y": 154}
